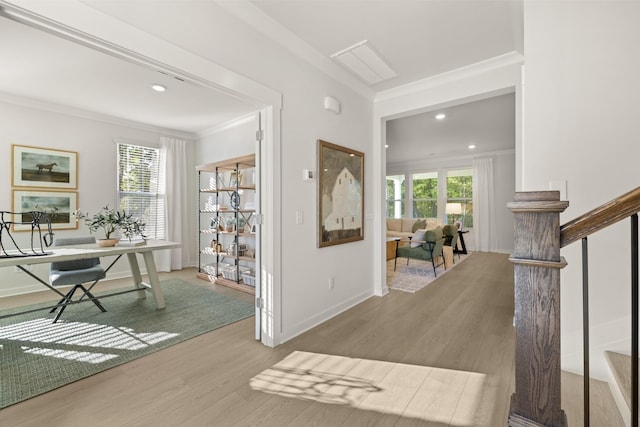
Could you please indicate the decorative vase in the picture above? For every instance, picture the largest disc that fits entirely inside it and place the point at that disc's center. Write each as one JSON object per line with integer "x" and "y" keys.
{"x": 107, "y": 242}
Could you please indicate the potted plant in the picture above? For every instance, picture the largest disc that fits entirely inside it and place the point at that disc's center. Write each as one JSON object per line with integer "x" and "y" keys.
{"x": 241, "y": 224}
{"x": 111, "y": 221}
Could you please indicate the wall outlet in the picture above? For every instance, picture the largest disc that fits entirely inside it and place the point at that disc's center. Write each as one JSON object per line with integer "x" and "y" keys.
{"x": 332, "y": 283}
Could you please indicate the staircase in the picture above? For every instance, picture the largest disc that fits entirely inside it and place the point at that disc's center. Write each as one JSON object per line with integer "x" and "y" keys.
{"x": 603, "y": 404}
{"x": 620, "y": 381}
{"x": 544, "y": 396}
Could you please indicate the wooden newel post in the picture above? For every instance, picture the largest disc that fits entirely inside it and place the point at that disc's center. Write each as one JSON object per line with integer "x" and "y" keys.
{"x": 537, "y": 260}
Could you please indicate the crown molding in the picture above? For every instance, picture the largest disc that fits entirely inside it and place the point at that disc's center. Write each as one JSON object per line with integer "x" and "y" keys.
{"x": 263, "y": 23}
{"x": 36, "y": 104}
{"x": 488, "y": 65}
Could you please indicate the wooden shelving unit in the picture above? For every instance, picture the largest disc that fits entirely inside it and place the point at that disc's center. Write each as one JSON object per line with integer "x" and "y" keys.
{"x": 226, "y": 181}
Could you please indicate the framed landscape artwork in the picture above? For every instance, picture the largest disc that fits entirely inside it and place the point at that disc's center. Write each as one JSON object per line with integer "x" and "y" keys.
{"x": 60, "y": 205}
{"x": 42, "y": 167}
{"x": 340, "y": 194}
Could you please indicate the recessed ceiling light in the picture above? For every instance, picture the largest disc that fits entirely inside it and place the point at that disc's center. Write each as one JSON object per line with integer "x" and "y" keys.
{"x": 386, "y": 145}
{"x": 472, "y": 146}
{"x": 158, "y": 87}
{"x": 440, "y": 116}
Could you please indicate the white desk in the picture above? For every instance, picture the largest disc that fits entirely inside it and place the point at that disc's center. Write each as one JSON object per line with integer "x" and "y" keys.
{"x": 69, "y": 253}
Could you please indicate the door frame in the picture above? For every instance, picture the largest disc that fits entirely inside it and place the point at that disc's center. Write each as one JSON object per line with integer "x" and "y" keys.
{"x": 80, "y": 23}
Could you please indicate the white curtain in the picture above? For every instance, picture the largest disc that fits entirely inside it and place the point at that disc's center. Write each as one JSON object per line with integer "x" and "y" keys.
{"x": 484, "y": 228}
{"x": 174, "y": 153}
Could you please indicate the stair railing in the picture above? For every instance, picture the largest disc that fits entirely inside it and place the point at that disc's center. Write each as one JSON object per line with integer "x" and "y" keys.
{"x": 537, "y": 263}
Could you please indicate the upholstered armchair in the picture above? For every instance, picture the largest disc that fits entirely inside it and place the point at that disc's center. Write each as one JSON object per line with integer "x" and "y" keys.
{"x": 429, "y": 249}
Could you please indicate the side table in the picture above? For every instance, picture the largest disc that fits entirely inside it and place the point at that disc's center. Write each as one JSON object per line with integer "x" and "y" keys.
{"x": 461, "y": 239}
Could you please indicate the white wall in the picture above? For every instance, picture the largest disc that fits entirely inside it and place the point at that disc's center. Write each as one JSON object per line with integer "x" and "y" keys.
{"x": 234, "y": 139}
{"x": 581, "y": 125}
{"x": 92, "y": 140}
{"x": 302, "y": 297}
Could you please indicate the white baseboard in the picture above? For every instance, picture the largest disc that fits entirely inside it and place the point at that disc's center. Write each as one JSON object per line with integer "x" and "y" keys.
{"x": 307, "y": 324}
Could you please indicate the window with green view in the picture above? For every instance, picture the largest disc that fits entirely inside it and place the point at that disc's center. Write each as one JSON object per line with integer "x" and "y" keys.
{"x": 425, "y": 195}
{"x": 395, "y": 196}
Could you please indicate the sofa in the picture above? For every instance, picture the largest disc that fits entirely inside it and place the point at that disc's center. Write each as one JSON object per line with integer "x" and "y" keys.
{"x": 405, "y": 227}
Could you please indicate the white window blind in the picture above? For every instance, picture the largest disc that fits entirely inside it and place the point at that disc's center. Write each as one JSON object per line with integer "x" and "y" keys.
{"x": 140, "y": 186}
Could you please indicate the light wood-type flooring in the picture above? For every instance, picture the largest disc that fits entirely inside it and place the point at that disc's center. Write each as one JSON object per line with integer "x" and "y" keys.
{"x": 454, "y": 339}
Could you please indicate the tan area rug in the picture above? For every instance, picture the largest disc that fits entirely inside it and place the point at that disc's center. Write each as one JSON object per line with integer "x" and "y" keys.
{"x": 416, "y": 275}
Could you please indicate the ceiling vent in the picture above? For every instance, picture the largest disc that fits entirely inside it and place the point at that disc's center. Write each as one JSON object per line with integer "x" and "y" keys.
{"x": 362, "y": 60}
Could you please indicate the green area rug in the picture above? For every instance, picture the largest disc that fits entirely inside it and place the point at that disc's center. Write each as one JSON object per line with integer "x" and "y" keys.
{"x": 37, "y": 356}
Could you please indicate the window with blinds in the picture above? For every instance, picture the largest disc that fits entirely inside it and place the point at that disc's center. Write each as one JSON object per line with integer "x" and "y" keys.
{"x": 140, "y": 186}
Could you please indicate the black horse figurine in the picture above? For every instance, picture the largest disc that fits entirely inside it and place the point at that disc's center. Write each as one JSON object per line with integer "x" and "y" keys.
{"x": 37, "y": 219}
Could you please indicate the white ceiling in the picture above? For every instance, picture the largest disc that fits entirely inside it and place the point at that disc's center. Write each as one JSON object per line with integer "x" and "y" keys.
{"x": 418, "y": 39}
{"x": 43, "y": 67}
{"x": 489, "y": 124}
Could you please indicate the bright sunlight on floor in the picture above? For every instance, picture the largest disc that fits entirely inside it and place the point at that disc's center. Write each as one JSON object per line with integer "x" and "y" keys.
{"x": 421, "y": 392}
{"x": 81, "y": 334}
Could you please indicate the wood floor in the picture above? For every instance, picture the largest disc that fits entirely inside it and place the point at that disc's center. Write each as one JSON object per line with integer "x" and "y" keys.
{"x": 460, "y": 326}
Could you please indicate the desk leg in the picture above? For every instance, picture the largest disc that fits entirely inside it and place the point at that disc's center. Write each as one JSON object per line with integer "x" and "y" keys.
{"x": 154, "y": 280}
{"x": 137, "y": 277}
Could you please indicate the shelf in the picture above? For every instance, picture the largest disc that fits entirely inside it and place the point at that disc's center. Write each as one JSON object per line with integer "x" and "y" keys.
{"x": 241, "y": 258}
{"x": 233, "y": 233}
{"x": 224, "y": 191}
{"x": 244, "y": 162}
{"x": 208, "y": 251}
{"x": 228, "y": 283}
{"x": 227, "y": 211}
{"x": 230, "y": 211}
{"x": 228, "y": 189}
{"x": 209, "y": 231}
{"x": 227, "y": 233}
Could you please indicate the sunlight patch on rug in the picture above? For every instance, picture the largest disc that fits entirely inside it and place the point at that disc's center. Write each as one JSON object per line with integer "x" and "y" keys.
{"x": 418, "y": 392}
{"x": 82, "y": 334}
{"x": 417, "y": 275}
{"x": 37, "y": 355}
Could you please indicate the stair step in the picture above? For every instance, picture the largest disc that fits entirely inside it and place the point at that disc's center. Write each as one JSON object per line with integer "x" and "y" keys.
{"x": 620, "y": 365}
{"x": 603, "y": 412}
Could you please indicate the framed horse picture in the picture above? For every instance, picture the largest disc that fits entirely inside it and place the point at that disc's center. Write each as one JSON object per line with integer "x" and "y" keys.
{"x": 44, "y": 167}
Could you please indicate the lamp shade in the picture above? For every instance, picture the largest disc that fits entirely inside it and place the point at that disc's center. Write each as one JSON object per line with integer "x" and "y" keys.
{"x": 454, "y": 208}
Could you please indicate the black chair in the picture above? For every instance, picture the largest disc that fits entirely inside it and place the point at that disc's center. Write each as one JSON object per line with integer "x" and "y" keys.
{"x": 76, "y": 272}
